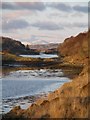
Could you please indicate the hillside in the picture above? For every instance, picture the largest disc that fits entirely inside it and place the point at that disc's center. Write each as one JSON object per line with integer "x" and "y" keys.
{"x": 75, "y": 49}
{"x": 10, "y": 45}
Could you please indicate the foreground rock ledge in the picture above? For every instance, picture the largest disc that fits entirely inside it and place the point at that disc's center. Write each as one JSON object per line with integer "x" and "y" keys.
{"x": 69, "y": 101}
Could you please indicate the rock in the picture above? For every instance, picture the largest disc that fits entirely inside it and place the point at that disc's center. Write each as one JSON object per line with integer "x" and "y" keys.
{"x": 71, "y": 100}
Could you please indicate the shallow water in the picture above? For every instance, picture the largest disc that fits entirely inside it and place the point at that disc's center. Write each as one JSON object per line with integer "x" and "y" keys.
{"x": 41, "y": 56}
{"x": 23, "y": 87}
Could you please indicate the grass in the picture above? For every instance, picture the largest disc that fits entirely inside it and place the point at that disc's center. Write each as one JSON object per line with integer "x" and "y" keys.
{"x": 8, "y": 58}
{"x": 12, "y": 57}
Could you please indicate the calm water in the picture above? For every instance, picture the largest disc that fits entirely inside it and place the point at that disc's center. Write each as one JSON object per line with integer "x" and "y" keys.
{"x": 22, "y": 86}
{"x": 41, "y": 56}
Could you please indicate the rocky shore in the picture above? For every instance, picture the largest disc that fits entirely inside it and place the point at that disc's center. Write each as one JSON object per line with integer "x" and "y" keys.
{"x": 72, "y": 99}
{"x": 69, "y": 101}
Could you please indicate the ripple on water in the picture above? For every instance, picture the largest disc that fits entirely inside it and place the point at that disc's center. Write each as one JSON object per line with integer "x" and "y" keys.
{"x": 31, "y": 83}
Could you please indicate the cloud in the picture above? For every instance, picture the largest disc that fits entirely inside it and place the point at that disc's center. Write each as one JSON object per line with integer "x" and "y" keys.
{"x": 23, "y": 6}
{"x": 61, "y": 6}
{"x": 83, "y": 9}
{"x": 31, "y": 5}
{"x": 40, "y": 6}
{"x": 9, "y": 6}
{"x": 47, "y": 26}
{"x": 49, "y": 21}
{"x": 75, "y": 25}
{"x": 68, "y": 8}
{"x": 45, "y": 36}
{"x": 60, "y": 26}
{"x": 14, "y": 24}
{"x": 80, "y": 25}
{"x": 33, "y": 38}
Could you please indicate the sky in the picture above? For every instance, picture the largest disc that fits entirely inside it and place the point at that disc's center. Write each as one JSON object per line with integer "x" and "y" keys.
{"x": 43, "y": 22}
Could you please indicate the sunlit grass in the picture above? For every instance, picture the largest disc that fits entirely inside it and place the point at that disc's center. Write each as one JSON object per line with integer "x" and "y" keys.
{"x": 12, "y": 57}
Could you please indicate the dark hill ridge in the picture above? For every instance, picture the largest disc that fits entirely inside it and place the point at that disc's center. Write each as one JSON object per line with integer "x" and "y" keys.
{"x": 10, "y": 45}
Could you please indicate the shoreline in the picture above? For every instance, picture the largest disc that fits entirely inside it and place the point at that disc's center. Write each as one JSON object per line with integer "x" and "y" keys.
{"x": 42, "y": 95}
{"x": 23, "y": 102}
{"x": 71, "y": 100}
{"x": 41, "y": 100}
{"x": 68, "y": 69}
{"x": 53, "y": 98}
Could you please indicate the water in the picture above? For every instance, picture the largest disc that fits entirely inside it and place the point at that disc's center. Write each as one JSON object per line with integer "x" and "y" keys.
{"x": 42, "y": 55}
{"x": 23, "y": 87}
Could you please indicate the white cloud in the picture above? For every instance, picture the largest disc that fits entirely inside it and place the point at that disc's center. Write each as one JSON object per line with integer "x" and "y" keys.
{"x": 36, "y": 23}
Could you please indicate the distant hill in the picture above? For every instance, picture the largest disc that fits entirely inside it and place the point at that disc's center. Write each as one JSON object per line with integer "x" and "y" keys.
{"x": 75, "y": 48}
{"x": 39, "y": 42}
{"x": 15, "y": 47}
{"x": 10, "y": 45}
{"x": 47, "y": 48}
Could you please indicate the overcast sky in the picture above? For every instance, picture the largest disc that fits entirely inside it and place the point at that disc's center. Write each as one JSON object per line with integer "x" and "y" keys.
{"x": 42, "y": 22}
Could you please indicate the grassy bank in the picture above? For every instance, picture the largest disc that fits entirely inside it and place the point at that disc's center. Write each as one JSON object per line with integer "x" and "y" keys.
{"x": 36, "y": 62}
{"x": 69, "y": 70}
